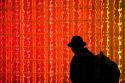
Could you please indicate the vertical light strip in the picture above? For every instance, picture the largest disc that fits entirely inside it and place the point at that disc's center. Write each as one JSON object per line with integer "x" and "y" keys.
{"x": 114, "y": 31}
{"x": 103, "y": 25}
{"x": 51, "y": 40}
{"x": 2, "y": 42}
{"x": 63, "y": 25}
{"x": 34, "y": 39}
{"x": 10, "y": 40}
{"x": 101, "y": 36}
{"x": 120, "y": 39}
{"x": 46, "y": 41}
{"x": 89, "y": 27}
{"x": 79, "y": 16}
{"x": 82, "y": 9}
{"x": 65, "y": 28}
{"x": 108, "y": 26}
{"x": 98, "y": 26}
{"x": 76, "y": 16}
{"x": 21, "y": 42}
{"x": 56, "y": 42}
{"x": 16, "y": 42}
{"x": 73, "y": 16}
{"x": 60, "y": 43}
{"x": 124, "y": 40}
{"x": 90, "y": 19}
{"x": 67, "y": 36}
{"x": 86, "y": 22}
{"x": 96, "y": 9}
{"x": 6, "y": 57}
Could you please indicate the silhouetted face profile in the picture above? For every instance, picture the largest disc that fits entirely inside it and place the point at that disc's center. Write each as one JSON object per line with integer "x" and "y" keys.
{"x": 76, "y": 44}
{"x": 74, "y": 50}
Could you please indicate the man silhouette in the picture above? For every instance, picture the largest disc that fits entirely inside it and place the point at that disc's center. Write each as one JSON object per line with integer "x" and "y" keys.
{"x": 83, "y": 62}
{"x": 87, "y": 68}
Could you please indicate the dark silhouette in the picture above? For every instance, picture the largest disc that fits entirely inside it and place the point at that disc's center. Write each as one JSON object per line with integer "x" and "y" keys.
{"x": 107, "y": 71}
{"x": 87, "y": 68}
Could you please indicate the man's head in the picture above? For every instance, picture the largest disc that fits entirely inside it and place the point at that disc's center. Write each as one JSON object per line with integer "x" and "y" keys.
{"x": 76, "y": 43}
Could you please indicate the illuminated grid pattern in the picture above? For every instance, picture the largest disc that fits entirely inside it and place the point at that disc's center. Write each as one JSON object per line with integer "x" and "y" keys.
{"x": 34, "y": 36}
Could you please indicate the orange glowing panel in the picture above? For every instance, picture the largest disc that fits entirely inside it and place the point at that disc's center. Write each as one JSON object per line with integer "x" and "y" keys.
{"x": 34, "y": 36}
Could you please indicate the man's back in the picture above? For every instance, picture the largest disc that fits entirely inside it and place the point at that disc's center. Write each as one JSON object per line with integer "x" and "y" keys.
{"x": 82, "y": 67}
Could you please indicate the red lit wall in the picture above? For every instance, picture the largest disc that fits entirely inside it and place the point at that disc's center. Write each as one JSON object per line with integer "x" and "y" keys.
{"x": 34, "y": 36}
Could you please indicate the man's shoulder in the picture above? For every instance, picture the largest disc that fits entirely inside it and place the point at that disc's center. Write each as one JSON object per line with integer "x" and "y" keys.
{"x": 86, "y": 54}
{"x": 86, "y": 57}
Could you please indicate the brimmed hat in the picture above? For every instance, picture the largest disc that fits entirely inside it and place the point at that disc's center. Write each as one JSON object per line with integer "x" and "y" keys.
{"x": 76, "y": 41}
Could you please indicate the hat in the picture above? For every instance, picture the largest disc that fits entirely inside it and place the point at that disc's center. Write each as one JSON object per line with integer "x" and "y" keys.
{"x": 76, "y": 41}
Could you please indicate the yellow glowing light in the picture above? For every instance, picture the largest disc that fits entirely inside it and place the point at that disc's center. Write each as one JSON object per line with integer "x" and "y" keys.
{"x": 120, "y": 29}
{"x": 107, "y": 21}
